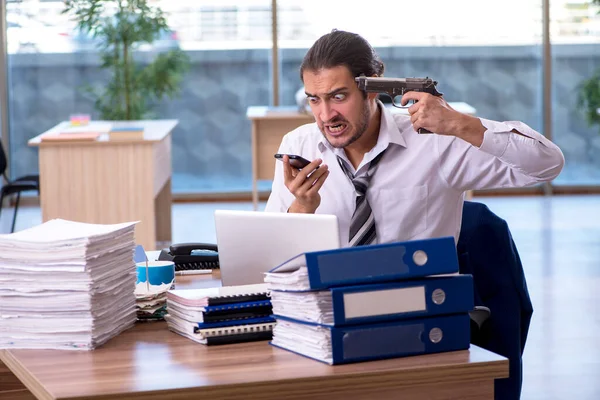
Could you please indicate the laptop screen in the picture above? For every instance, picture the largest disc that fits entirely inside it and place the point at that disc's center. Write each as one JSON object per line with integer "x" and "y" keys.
{"x": 253, "y": 242}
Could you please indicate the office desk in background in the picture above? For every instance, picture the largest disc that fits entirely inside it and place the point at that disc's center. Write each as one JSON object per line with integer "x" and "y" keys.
{"x": 270, "y": 124}
{"x": 109, "y": 182}
{"x": 149, "y": 361}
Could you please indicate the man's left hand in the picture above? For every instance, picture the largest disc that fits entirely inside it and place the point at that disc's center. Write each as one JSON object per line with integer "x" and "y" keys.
{"x": 435, "y": 114}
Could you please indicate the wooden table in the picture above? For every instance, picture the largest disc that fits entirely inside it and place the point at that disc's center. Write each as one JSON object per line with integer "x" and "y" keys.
{"x": 107, "y": 182}
{"x": 270, "y": 124}
{"x": 151, "y": 362}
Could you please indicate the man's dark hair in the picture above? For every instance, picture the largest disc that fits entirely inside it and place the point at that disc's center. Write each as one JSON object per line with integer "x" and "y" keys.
{"x": 342, "y": 48}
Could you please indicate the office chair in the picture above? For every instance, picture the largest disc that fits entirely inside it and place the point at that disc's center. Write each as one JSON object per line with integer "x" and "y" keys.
{"x": 22, "y": 184}
{"x": 487, "y": 251}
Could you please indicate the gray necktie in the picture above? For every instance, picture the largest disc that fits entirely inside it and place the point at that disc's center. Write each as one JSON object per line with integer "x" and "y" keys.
{"x": 362, "y": 225}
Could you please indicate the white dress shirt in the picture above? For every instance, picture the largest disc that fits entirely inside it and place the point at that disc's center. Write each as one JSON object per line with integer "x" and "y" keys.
{"x": 418, "y": 188}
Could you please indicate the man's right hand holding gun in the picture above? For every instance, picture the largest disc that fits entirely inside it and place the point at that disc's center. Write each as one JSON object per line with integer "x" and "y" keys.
{"x": 434, "y": 114}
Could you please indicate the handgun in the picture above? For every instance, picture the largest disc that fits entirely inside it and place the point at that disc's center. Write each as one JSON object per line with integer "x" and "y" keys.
{"x": 397, "y": 87}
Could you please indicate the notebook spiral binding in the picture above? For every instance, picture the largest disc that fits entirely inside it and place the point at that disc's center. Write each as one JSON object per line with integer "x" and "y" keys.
{"x": 238, "y": 306}
{"x": 237, "y": 330}
{"x": 238, "y": 298}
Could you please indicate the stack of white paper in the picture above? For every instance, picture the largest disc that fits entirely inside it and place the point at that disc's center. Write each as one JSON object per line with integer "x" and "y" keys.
{"x": 315, "y": 306}
{"x": 313, "y": 341}
{"x": 66, "y": 285}
{"x": 151, "y": 301}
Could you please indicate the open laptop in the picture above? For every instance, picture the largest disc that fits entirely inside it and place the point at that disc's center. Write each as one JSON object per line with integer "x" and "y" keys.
{"x": 253, "y": 242}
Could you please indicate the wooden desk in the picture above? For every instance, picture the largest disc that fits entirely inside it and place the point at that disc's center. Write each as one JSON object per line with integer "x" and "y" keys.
{"x": 270, "y": 124}
{"x": 109, "y": 182}
{"x": 151, "y": 362}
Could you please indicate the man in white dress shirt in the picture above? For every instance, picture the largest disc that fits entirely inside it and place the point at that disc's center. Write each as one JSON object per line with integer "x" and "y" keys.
{"x": 417, "y": 186}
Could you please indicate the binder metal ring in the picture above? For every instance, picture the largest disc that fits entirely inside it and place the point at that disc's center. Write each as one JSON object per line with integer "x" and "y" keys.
{"x": 420, "y": 258}
{"x": 436, "y": 335}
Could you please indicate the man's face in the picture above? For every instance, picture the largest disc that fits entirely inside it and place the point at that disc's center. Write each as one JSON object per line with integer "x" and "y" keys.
{"x": 339, "y": 107}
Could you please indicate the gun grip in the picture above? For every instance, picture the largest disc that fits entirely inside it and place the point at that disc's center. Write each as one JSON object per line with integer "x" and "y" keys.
{"x": 423, "y": 130}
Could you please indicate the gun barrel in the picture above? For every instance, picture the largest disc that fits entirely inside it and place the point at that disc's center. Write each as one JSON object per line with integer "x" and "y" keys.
{"x": 377, "y": 84}
{"x": 397, "y": 85}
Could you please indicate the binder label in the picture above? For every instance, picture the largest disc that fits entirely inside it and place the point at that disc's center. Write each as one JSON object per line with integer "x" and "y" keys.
{"x": 401, "y": 339}
{"x": 384, "y": 302}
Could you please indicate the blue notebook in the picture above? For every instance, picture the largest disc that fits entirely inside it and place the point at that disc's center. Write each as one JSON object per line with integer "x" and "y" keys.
{"x": 365, "y": 264}
{"x": 333, "y": 345}
{"x": 226, "y": 312}
{"x": 361, "y": 304}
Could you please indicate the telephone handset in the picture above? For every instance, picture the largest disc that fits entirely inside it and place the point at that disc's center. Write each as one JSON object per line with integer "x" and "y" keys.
{"x": 190, "y": 256}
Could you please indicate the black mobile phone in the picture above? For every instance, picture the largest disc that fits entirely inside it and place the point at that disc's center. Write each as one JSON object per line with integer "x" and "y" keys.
{"x": 296, "y": 161}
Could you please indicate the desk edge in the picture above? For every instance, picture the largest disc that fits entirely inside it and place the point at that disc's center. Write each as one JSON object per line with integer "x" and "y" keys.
{"x": 396, "y": 379}
{"x": 32, "y": 384}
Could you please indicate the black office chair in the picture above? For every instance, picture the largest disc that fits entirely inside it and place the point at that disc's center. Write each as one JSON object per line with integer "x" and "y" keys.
{"x": 487, "y": 251}
{"x": 22, "y": 184}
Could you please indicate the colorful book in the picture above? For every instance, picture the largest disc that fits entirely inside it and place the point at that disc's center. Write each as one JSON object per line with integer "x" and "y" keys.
{"x": 365, "y": 264}
{"x": 361, "y": 304}
{"x": 126, "y": 132}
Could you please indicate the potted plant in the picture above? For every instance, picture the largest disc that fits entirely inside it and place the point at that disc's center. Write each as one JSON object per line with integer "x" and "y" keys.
{"x": 588, "y": 99}
{"x": 120, "y": 27}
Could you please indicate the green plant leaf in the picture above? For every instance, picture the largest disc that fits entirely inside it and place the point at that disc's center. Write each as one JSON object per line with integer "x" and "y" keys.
{"x": 120, "y": 27}
{"x": 588, "y": 99}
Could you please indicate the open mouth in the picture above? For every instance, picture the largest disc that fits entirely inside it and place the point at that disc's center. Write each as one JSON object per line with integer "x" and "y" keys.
{"x": 336, "y": 129}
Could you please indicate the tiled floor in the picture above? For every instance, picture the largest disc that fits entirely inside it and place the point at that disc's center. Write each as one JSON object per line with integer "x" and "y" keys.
{"x": 558, "y": 239}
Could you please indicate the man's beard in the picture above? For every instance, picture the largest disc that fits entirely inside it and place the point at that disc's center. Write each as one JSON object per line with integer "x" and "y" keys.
{"x": 361, "y": 128}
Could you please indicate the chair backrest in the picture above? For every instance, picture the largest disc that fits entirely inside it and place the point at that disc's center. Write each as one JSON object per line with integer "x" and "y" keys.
{"x": 487, "y": 251}
{"x": 3, "y": 160}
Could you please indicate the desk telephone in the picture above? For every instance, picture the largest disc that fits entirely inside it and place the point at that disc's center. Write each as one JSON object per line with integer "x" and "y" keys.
{"x": 191, "y": 256}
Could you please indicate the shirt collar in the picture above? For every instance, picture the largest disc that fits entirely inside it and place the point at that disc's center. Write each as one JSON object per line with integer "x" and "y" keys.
{"x": 388, "y": 133}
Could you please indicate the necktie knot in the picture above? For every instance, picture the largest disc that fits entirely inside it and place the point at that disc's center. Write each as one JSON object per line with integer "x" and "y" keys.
{"x": 360, "y": 182}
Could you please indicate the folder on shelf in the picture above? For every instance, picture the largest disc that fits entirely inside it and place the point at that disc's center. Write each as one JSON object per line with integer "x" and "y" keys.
{"x": 360, "y": 304}
{"x": 340, "y": 345}
{"x": 220, "y": 295}
{"x": 365, "y": 264}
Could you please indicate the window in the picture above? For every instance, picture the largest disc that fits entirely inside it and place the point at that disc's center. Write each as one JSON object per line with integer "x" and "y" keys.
{"x": 575, "y": 58}
{"x": 492, "y": 64}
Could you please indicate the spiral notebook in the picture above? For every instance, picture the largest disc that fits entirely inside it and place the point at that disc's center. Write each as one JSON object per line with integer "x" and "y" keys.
{"x": 203, "y": 297}
{"x": 235, "y": 311}
{"x": 223, "y": 334}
